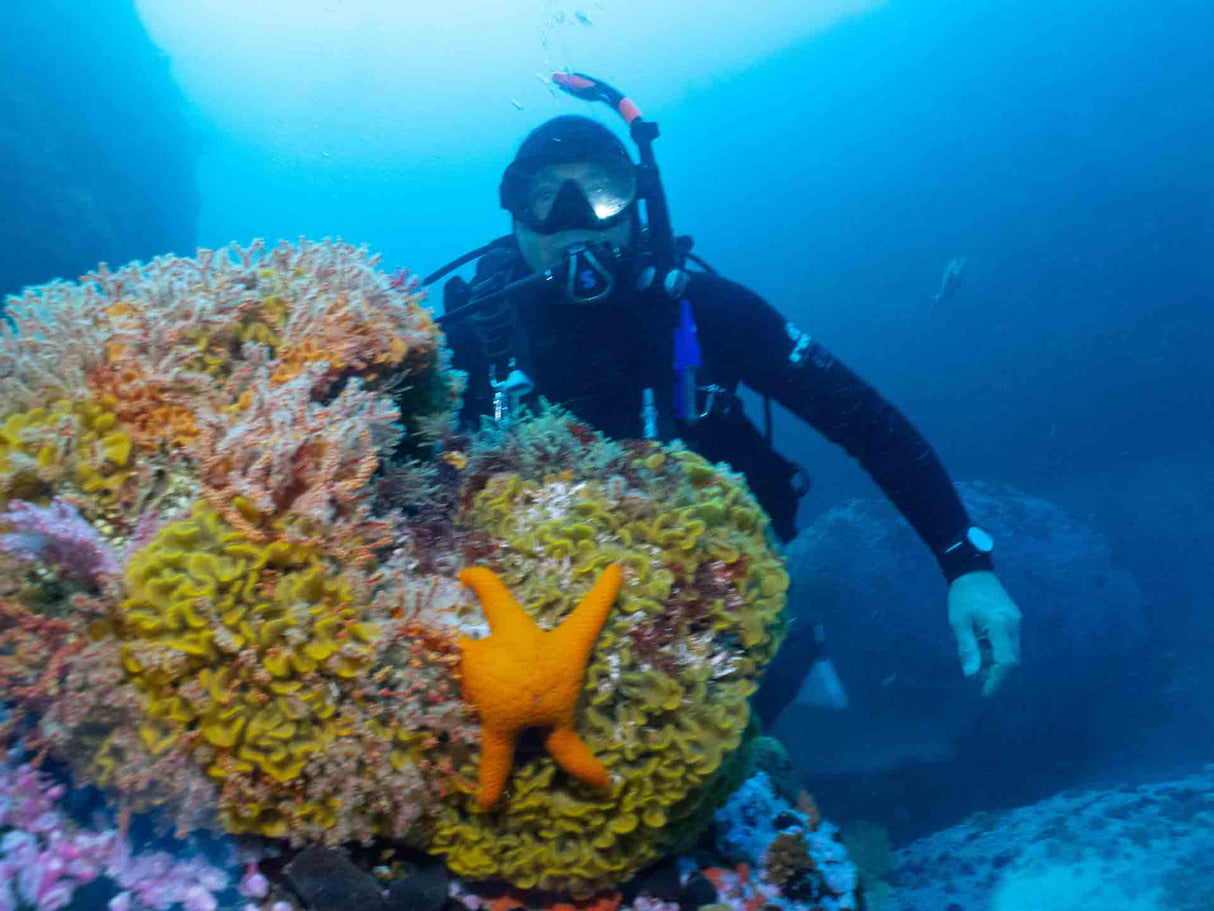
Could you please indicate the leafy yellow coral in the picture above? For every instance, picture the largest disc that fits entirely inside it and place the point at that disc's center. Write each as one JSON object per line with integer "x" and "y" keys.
{"x": 262, "y": 321}
{"x": 240, "y": 650}
{"x": 284, "y": 653}
{"x": 272, "y": 655}
{"x": 665, "y": 699}
{"x": 75, "y": 443}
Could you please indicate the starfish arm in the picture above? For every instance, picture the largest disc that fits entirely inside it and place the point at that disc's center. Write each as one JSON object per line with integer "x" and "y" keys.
{"x": 497, "y": 756}
{"x": 577, "y": 632}
{"x": 572, "y": 755}
{"x": 501, "y": 610}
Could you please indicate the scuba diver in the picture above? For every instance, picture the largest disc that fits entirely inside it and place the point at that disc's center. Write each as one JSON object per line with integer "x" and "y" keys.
{"x": 592, "y": 302}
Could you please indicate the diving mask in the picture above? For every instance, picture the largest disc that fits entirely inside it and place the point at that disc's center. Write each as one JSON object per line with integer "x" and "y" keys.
{"x": 549, "y": 197}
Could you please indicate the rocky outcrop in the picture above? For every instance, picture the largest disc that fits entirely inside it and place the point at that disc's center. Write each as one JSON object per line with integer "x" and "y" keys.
{"x": 96, "y": 153}
{"x": 861, "y": 572}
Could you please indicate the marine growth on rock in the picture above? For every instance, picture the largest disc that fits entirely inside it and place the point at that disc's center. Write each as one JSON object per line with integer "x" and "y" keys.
{"x": 235, "y": 510}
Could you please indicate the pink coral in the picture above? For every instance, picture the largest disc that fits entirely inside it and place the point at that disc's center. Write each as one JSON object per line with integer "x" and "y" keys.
{"x": 59, "y": 536}
{"x": 43, "y": 858}
{"x": 253, "y": 884}
{"x": 284, "y": 454}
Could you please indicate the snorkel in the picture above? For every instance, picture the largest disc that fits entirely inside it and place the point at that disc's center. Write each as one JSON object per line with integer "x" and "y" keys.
{"x": 587, "y": 271}
{"x": 665, "y": 257}
{"x": 664, "y": 254}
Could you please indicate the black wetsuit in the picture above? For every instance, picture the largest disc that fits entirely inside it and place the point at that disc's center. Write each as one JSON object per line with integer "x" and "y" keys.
{"x": 596, "y": 360}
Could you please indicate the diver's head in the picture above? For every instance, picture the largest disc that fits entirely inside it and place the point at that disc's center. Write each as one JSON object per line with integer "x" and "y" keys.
{"x": 572, "y": 182}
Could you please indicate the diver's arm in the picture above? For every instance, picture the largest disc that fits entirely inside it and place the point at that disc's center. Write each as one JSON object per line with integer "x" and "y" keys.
{"x": 775, "y": 358}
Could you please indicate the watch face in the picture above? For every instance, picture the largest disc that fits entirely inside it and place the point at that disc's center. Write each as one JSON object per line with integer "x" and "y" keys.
{"x": 982, "y": 541}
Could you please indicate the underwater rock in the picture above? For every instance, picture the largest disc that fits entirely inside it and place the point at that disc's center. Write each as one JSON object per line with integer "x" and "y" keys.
{"x": 327, "y": 880}
{"x": 767, "y": 754}
{"x": 424, "y": 888}
{"x": 861, "y": 571}
{"x": 98, "y": 152}
{"x": 696, "y": 893}
{"x": 261, "y": 441}
{"x": 1129, "y": 848}
{"x": 660, "y": 881}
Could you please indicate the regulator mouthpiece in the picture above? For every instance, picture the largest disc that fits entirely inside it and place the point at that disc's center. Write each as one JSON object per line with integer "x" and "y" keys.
{"x": 590, "y": 272}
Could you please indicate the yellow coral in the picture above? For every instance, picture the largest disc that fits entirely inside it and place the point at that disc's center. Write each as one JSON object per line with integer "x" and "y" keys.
{"x": 217, "y": 348}
{"x": 665, "y": 697}
{"x": 300, "y": 676}
{"x": 242, "y": 647}
{"x": 78, "y": 443}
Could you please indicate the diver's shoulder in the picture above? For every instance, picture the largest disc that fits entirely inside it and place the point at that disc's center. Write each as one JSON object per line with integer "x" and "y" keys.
{"x": 711, "y": 292}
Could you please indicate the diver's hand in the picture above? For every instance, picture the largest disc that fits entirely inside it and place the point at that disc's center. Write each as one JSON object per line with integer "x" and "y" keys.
{"x": 987, "y": 625}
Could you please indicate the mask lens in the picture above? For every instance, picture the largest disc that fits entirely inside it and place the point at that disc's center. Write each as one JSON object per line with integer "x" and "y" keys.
{"x": 608, "y": 188}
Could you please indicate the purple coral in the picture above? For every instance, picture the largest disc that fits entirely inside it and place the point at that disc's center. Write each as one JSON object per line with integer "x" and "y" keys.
{"x": 43, "y": 859}
{"x": 59, "y": 536}
{"x": 41, "y": 863}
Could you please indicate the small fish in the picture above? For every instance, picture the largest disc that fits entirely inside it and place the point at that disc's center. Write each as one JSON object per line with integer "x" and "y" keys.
{"x": 950, "y": 281}
{"x": 518, "y": 105}
{"x": 455, "y": 459}
{"x": 584, "y": 19}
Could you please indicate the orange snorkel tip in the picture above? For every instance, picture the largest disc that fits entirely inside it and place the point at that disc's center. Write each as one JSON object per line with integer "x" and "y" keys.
{"x": 573, "y": 83}
{"x": 661, "y": 237}
{"x": 587, "y": 89}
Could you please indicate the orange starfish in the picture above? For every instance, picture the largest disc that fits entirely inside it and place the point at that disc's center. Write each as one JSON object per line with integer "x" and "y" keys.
{"x": 521, "y": 676}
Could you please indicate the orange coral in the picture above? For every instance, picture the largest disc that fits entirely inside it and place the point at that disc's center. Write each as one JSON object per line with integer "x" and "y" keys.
{"x": 736, "y": 884}
{"x": 284, "y": 457}
{"x": 609, "y": 901}
{"x": 355, "y": 336}
{"x": 33, "y": 652}
{"x": 145, "y": 409}
{"x": 806, "y": 805}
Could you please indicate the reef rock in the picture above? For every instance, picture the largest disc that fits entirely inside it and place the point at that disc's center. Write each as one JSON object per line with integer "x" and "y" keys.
{"x": 1132, "y": 848}
{"x": 861, "y": 572}
{"x": 233, "y": 516}
{"x": 98, "y": 154}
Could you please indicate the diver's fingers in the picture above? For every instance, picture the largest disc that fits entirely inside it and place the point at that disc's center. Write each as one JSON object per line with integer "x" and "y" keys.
{"x": 1004, "y": 634}
{"x": 994, "y": 678}
{"x": 967, "y": 647}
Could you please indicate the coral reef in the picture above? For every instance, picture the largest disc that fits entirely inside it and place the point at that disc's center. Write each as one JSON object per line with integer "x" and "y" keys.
{"x": 786, "y": 857}
{"x": 235, "y": 519}
{"x": 203, "y": 554}
{"x": 45, "y": 858}
{"x": 550, "y": 505}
